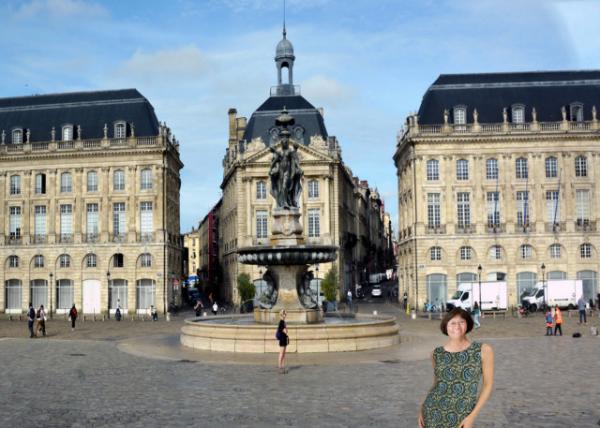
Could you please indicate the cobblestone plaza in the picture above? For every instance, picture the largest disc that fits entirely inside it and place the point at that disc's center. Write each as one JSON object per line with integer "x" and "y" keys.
{"x": 135, "y": 374}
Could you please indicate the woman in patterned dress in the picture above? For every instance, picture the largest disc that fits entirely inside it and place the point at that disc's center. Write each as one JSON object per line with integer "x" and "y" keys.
{"x": 459, "y": 366}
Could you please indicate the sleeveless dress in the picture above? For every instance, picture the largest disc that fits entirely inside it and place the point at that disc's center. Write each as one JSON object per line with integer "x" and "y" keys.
{"x": 455, "y": 392}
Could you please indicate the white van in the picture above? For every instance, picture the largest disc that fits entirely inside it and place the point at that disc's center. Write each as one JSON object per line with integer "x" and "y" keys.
{"x": 494, "y": 296}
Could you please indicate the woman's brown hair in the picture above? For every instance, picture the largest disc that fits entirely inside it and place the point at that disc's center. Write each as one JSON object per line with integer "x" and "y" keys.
{"x": 454, "y": 312}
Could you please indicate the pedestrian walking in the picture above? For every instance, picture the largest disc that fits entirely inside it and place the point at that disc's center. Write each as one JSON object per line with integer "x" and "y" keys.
{"x": 153, "y": 313}
{"x": 476, "y": 315}
{"x": 459, "y": 366}
{"x": 581, "y": 307}
{"x": 215, "y": 308}
{"x": 349, "y": 299}
{"x": 284, "y": 340}
{"x": 198, "y": 307}
{"x": 405, "y": 299}
{"x": 118, "y": 310}
{"x": 549, "y": 322}
{"x": 73, "y": 316}
{"x": 41, "y": 319}
{"x": 557, "y": 320}
{"x": 30, "y": 319}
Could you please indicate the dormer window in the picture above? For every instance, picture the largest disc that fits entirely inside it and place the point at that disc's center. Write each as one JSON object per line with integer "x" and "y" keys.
{"x": 576, "y": 112}
{"x": 120, "y": 130}
{"x": 460, "y": 115}
{"x": 518, "y": 113}
{"x": 17, "y": 136}
{"x": 67, "y": 133}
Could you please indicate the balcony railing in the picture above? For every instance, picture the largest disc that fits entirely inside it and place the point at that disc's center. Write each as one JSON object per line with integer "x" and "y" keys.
{"x": 15, "y": 240}
{"x": 585, "y": 225}
{"x": 91, "y": 237}
{"x": 146, "y": 237}
{"x": 555, "y": 227}
{"x": 435, "y": 229}
{"x": 496, "y": 228}
{"x": 118, "y": 237}
{"x": 464, "y": 229}
{"x": 66, "y": 238}
{"x": 40, "y": 239}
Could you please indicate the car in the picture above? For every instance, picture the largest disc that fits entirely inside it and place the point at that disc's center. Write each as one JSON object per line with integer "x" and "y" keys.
{"x": 376, "y": 291}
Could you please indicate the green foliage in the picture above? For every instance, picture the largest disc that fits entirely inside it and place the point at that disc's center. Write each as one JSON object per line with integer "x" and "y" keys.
{"x": 329, "y": 285}
{"x": 245, "y": 287}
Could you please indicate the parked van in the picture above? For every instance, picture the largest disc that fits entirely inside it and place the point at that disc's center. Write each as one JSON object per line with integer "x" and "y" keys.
{"x": 494, "y": 296}
{"x": 561, "y": 292}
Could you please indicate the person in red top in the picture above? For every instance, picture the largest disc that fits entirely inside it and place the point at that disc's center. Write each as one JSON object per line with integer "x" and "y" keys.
{"x": 557, "y": 320}
{"x": 73, "y": 316}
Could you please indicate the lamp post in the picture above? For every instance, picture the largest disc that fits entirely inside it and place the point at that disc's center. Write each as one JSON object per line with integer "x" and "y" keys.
{"x": 51, "y": 290}
{"x": 479, "y": 269}
{"x": 318, "y": 295}
{"x": 108, "y": 294}
{"x": 544, "y": 283}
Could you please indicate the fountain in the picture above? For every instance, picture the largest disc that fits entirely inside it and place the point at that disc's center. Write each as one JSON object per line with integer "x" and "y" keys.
{"x": 287, "y": 258}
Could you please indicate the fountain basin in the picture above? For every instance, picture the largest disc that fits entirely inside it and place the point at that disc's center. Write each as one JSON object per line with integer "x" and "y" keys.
{"x": 241, "y": 334}
{"x": 287, "y": 255}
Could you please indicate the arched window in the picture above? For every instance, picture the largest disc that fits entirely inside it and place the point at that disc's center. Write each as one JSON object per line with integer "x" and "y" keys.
{"x": 460, "y": 115}
{"x": 13, "y": 261}
{"x": 525, "y": 283}
{"x": 117, "y": 294}
{"x": 67, "y": 133}
{"x": 491, "y": 169}
{"x": 119, "y": 180}
{"x": 13, "y": 295}
{"x": 92, "y": 181}
{"x": 433, "y": 170}
{"x": 435, "y": 253}
{"x": 466, "y": 253}
{"x": 556, "y": 274}
{"x": 118, "y": 260}
{"x": 261, "y": 190}
{"x": 17, "y": 136}
{"x": 551, "y": 167}
{"x": 495, "y": 252}
{"x": 463, "y": 277}
{"x": 144, "y": 294}
{"x": 64, "y": 260}
{"x": 518, "y": 113}
{"x": 146, "y": 179}
{"x": 91, "y": 261}
{"x": 437, "y": 289}
{"x": 525, "y": 251}
{"x": 146, "y": 260}
{"x": 462, "y": 169}
{"x": 589, "y": 278}
{"x": 576, "y": 112}
{"x": 66, "y": 182}
{"x": 555, "y": 251}
{"x": 313, "y": 189}
{"x": 581, "y": 166}
{"x": 38, "y": 261}
{"x": 585, "y": 251}
{"x": 521, "y": 168}
{"x": 120, "y": 130}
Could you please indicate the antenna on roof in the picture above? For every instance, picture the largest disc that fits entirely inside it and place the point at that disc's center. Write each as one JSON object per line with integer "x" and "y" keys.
{"x": 284, "y": 32}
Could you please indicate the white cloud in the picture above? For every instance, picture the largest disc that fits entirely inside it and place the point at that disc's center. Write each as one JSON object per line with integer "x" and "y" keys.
{"x": 324, "y": 90}
{"x": 59, "y": 9}
{"x": 165, "y": 66}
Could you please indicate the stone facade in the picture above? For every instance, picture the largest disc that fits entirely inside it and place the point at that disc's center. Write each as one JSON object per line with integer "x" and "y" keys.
{"x": 88, "y": 213}
{"x": 544, "y": 225}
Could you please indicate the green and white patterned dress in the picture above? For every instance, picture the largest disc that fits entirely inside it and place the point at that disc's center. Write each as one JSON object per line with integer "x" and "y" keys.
{"x": 455, "y": 392}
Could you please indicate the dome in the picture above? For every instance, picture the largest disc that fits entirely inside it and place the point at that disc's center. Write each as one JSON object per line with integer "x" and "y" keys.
{"x": 284, "y": 49}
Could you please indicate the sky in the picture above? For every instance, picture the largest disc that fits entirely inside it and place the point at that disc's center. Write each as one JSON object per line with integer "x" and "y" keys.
{"x": 367, "y": 63}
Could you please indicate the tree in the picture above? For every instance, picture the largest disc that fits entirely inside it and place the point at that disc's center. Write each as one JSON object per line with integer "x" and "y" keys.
{"x": 246, "y": 288}
{"x": 329, "y": 285}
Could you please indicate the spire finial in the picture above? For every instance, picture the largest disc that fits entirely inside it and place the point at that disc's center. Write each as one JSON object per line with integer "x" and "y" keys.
{"x": 284, "y": 32}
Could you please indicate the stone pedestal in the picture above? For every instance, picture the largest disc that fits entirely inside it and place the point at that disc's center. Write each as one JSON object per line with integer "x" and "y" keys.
{"x": 287, "y": 277}
{"x": 286, "y": 229}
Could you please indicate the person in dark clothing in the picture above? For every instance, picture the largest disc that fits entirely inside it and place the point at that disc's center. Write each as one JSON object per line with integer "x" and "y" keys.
{"x": 282, "y": 337}
{"x": 30, "y": 319}
{"x": 41, "y": 319}
{"x": 73, "y": 316}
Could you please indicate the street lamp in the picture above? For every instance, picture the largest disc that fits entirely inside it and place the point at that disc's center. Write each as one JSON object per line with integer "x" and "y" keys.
{"x": 544, "y": 283}
{"x": 51, "y": 290}
{"x": 479, "y": 268}
{"x": 108, "y": 294}
{"x": 318, "y": 295}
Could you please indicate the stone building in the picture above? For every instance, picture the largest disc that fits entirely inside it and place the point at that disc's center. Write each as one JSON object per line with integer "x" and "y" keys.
{"x": 497, "y": 179}
{"x": 335, "y": 208}
{"x": 86, "y": 180}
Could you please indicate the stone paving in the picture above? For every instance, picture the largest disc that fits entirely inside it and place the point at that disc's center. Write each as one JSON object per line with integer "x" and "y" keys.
{"x": 135, "y": 374}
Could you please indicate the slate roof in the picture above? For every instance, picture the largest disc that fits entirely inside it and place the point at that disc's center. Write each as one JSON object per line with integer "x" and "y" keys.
{"x": 90, "y": 110}
{"x": 547, "y": 91}
{"x": 306, "y": 115}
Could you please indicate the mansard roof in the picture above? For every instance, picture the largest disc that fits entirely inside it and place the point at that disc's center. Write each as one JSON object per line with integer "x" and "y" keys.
{"x": 89, "y": 110}
{"x": 547, "y": 91}
{"x": 305, "y": 114}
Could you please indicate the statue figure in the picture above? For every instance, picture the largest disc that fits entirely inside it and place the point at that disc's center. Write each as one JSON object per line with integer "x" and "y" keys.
{"x": 285, "y": 173}
{"x": 505, "y": 115}
{"x": 269, "y": 297}
{"x": 305, "y": 293}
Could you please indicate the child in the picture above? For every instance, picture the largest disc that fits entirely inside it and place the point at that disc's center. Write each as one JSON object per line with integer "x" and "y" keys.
{"x": 549, "y": 322}
{"x": 558, "y": 320}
